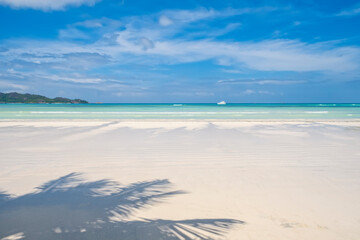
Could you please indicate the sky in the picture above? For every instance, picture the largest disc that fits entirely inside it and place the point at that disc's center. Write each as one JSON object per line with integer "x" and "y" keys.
{"x": 138, "y": 51}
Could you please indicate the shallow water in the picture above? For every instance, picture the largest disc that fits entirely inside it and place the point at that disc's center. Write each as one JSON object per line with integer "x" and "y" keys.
{"x": 180, "y": 111}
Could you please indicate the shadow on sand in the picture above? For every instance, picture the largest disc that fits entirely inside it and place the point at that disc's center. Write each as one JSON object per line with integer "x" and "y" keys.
{"x": 70, "y": 208}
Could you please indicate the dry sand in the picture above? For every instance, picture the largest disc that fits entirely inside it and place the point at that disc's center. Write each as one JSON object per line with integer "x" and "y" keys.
{"x": 283, "y": 179}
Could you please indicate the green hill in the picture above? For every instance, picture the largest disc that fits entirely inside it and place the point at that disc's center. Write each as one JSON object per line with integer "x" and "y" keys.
{"x": 15, "y": 97}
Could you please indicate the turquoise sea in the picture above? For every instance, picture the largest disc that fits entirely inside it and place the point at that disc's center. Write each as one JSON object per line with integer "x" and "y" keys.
{"x": 180, "y": 111}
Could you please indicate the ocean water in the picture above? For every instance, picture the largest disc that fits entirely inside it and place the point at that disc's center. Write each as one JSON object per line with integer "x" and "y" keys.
{"x": 180, "y": 111}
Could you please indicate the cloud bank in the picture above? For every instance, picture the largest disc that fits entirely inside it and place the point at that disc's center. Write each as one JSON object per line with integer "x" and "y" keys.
{"x": 47, "y": 5}
{"x": 355, "y": 10}
{"x": 143, "y": 40}
{"x": 190, "y": 53}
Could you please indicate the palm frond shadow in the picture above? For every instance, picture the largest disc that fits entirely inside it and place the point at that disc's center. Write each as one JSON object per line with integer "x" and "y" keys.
{"x": 70, "y": 208}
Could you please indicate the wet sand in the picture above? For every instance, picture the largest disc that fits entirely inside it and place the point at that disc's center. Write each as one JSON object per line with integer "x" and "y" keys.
{"x": 180, "y": 179}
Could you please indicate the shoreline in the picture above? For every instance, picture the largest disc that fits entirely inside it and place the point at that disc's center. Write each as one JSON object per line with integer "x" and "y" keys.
{"x": 357, "y": 120}
{"x": 189, "y": 124}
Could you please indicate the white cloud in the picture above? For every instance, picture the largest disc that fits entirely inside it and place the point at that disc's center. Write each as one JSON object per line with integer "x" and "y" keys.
{"x": 95, "y": 23}
{"x": 73, "y": 79}
{"x": 130, "y": 93}
{"x": 169, "y": 17}
{"x": 72, "y": 33}
{"x": 249, "y": 92}
{"x": 7, "y": 86}
{"x": 272, "y": 55}
{"x": 265, "y": 92}
{"x": 234, "y": 71}
{"x": 132, "y": 46}
{"x": 94, "y": 28}
{"x": 184, "y": 16}
{"x": 47, "y": 5}
{"x": 350, "y": 12}
{"x": 261, "y": 92}
{"x": 144, "y": 41}
{"x": 268, "y": 55}
{"x": 191, "y": 93}
{"x": 165, "y": 21}
{"x": 260, "y": 82}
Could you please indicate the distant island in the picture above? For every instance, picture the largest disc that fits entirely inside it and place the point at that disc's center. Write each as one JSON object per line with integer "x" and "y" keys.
{"x": 15, "y": 97}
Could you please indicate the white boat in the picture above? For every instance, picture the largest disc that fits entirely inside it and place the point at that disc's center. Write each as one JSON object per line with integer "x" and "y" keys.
{"x": 221, "y": 103}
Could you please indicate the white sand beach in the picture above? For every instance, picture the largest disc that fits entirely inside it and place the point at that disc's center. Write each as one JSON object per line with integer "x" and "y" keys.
{"x": 280, "y": 179}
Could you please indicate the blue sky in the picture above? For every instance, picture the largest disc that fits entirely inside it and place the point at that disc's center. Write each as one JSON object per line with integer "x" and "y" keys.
{"x": 182, "y": 51}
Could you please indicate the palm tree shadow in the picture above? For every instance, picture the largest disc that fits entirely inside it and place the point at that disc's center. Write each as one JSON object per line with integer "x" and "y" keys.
{"x": 70, "y": 208}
